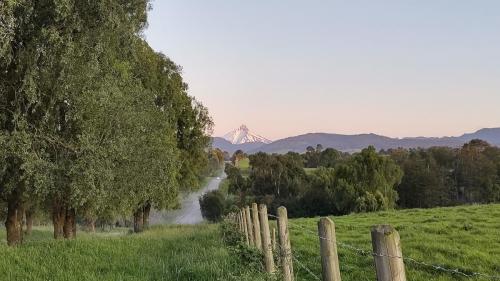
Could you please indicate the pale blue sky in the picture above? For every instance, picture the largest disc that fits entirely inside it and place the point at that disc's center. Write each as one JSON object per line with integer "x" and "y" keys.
{"x": 398, "y": 68}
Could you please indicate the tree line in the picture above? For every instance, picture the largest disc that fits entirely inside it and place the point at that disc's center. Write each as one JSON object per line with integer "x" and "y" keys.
{"x": 326, "y": 181}
{"x": 93, "y": 122}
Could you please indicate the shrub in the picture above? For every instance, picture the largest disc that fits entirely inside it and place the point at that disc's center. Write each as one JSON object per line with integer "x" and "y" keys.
{"x": 212, "y": 206}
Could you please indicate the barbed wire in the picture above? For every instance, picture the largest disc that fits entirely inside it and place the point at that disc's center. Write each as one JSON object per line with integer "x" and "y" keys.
{"x": 295, "y": 257}
{"x": 364, "y": 252}
{"x": 306, "y": 268}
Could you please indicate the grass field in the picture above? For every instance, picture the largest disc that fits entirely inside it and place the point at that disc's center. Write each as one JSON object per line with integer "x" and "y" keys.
{"x": 465, "y": 238}
{"x": 310, "y": 170}
{"x": 162, "y": 253}
{"x": 244, "y": 166}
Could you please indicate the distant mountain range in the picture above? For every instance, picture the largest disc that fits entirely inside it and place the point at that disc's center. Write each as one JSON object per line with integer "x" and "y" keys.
{"x": 353, "y": 143}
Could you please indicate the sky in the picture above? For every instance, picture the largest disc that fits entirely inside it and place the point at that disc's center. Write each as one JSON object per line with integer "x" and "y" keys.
{"x": 288, "y": 67}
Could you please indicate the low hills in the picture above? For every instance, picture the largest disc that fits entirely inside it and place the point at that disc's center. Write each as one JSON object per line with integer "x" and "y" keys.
{"x": 352, "y": 143}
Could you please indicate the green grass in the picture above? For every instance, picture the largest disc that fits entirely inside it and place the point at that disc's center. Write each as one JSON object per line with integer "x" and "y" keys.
{"x": 162, "y": 253}
{"x": 244, "y": 163}
{"x": 244, "y": 166}
{"x": 224, "y": 187}
{"x": 465, "y": 238}
{"x": 310, "y": 170}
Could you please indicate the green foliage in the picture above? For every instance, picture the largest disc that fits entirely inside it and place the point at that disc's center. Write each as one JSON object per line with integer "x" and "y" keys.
{"x": 478, "y": 172}
{"x": 441, "y": 176}
{"x": 281, "y": 176}
{"x": 215, "y": 162}
{"x": 213, "y": 206}
{"x": 237, "y": 183}
{"x": 317, "y": 157}
{"x": 92, "y": 118}
{"x": 425, "y": 183}
{"x": 369, "y": 181}
{"x": 235, "y": 242}
{"x": 364, "y": 182}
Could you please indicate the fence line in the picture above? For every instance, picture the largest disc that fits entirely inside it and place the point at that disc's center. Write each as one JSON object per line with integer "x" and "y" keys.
{"x": 436, "y": 267}
{"x": 306, "y": 268}
{"x": 295, "y": 257}
{"x": 387, "y": 253}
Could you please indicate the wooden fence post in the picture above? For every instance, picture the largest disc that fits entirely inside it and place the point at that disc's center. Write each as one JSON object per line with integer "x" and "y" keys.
{"x": 285, "y": 246}
{"x": 266, "y": 239}
{"x": 387, "y": 253}
{"x": 328, "y": 250}
{"x": 249, "y": 226}
{"x": 256, "y": 227}
{"x": 244, "y": 225}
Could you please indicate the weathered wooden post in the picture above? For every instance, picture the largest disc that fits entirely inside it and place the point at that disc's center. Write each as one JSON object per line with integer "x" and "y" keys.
{"x": 266, "y": 239}
{"x": 256, "y": 227}
{"x": 328, "y": 250}
{"x": 387, "y": 253}
{"x": 285, "y": 246}
{"x": 244, "y": 225}
{"x": 249, "y": 226}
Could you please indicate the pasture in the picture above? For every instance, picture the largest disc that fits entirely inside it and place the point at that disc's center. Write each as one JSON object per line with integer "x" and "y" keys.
{"x": 464, "y": 238}
{"x": 161, "y": 253}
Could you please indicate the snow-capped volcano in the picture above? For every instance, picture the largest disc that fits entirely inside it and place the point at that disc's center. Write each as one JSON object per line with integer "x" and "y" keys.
{"x": 243, "y": 135}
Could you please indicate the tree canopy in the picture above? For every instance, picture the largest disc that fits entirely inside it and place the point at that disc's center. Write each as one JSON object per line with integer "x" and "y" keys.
{"x": 93, "y": 121}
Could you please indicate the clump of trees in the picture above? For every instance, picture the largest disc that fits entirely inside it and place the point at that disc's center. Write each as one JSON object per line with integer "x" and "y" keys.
{"x": 93, "y": 122}
{"x": 363, "y": 182}
{"x": 213, "y": 205}
{"x": 215, "y": 162}
{"x": 442, "y": 176}
{"x": 369, "y": 180}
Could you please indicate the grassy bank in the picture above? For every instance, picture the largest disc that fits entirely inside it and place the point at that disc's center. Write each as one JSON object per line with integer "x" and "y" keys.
{"x": 162, "y": 253}
{"x": 465, "y": 238}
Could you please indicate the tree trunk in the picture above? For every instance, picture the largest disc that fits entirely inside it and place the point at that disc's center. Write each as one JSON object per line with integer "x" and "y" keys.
{"x": 70, "y": 224}
{"x": 58, "y": 218}
{"x": 138, "y": 220}
{"x": 12, "y": 225}
{"x": 90, "y": 224}
{"x": 21, "y": 210}
{"x": 29, "y": 221}
{"x": 145, "y": 215}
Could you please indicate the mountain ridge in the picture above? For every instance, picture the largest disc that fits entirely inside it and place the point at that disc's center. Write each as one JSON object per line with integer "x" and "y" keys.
{"x": 243, "y": 135}
{"x": 353, "y": 143}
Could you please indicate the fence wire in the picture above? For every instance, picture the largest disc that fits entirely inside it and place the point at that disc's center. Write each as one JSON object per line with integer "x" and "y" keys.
{"x": 406, "y": 260}
{"x": 296, "y": 259}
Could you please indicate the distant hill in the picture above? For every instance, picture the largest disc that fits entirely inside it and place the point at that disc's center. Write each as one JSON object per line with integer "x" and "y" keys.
{"x": 491, "y": 135}
{"x": 352, "y": 143}
{"x": 231, "y": 148}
